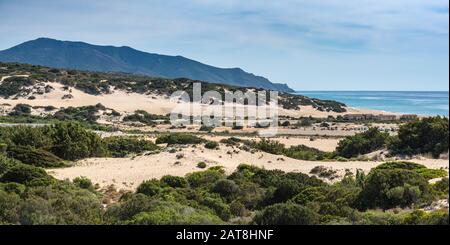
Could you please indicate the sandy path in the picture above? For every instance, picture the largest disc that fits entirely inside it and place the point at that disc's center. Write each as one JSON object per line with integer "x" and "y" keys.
{"x": 128, "y": 173}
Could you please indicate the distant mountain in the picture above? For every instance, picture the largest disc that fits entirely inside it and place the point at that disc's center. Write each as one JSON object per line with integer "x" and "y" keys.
{"x": 84, "y": 56}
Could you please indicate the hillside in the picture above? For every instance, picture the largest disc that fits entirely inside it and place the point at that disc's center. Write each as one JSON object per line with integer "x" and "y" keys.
{"x": 84, "y": 56}
{"x": 34, "y": 83}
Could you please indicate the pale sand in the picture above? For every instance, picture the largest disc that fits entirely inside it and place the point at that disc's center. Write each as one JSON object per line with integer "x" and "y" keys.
{"x": 128, "y": 173}
{"x": 160, "y": 105}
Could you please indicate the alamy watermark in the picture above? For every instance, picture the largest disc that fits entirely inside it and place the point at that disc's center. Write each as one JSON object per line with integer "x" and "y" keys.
{"x": 237, "y": 109}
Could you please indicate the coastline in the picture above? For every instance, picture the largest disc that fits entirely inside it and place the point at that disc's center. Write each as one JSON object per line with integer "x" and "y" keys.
{"x": 421, "y": 103}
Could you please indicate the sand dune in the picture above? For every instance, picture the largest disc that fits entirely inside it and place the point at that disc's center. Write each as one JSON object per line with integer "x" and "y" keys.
{"x": 128, "y": 173}
{"x": 129, "y": 102}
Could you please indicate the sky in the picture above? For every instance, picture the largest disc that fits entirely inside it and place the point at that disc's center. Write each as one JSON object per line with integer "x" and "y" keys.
{"x": 308, "y": 44}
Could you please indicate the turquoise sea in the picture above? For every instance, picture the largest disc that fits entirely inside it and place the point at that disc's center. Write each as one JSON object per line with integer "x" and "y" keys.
{"x": 421, "y": 103}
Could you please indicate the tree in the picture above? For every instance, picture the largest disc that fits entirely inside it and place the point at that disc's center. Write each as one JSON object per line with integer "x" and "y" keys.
{"x": 427, "y": 135}
{"x": 362, "y": 143}
{"x": 389, "y": 188}
{"x": 73, "y": 142}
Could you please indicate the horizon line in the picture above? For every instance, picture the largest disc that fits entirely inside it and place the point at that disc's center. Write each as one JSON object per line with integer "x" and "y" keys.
{"x": 318, "y": 90}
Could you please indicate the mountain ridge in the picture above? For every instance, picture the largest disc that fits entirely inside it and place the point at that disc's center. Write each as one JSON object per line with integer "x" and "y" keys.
{"x": 84, "y": 56}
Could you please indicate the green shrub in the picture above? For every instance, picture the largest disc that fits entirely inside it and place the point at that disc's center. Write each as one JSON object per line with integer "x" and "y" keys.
{"x": 427, "y": 135}
{"x": 218, "y": 206}
{"x": 432, "y": 173}
{"x": 287, "y": 214}
{"x": 201, "y": 165}
{"x": 400, "y": 165}
{"x": 389, "y": 188}
{"x": 179, "y": 139}
{"x": 225, "y": 188}
{"x": 35, "y": 157}
{"x": 73, "y": 142}
{"x": 83, "y": 183}
{"x": 13, "y": 85}
{"x": 441, "y": 187}
{"x": 12, "y": 187}
{"x": 3, "y": 148}
{"x": 285, "y": 190}
{"x": 123, "y": 146}
{"x": 7, "y": 163}
{"x": 204, "y": 128}
{"x": 21, "y": 110}
{"x": 23, "y": 174}
{"x": 237, "y": 209}
{"x": 272, "y": 147}
{"x": 37, "y": 137}
{"x": 149, "y": 187}
{"x": 231, "y": 141}
{"x": 143, "y": 117}
{"x": 303, "y": 152}
{"x": 174, "y": 181}
{"x": 211, "y": 145}
{"x": 204, "y": 178}
{"x": 362, "y": 143}
{"x": 170, "y": 213}
{"x": 306, "y": 122}
{"x": 418, "y": 168}
{"x": 82, "y": 114}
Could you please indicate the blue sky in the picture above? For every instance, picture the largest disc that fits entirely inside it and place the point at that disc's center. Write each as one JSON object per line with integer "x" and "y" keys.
{"x": 309, "y": 44}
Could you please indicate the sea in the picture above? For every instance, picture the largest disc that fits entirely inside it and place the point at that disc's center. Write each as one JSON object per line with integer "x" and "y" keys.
{"x": 409, "y": 102}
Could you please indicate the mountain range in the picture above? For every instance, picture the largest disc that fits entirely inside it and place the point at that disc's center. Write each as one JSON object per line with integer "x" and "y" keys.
{"x": 85, "y": 56}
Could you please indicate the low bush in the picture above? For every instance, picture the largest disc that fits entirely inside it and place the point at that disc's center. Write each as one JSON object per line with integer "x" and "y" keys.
{"x": 362, "y": 143}
{"x": 211, "y": 145}
{"x": 174, "y": 181}
{"x": 83, "y": 183}
{"x": 149, "y": 187}
{"x": 123, "y": 146}
{"x": 204, "y": 179}
{"x": 21, "y": 110}
{"x": 303, "y": 152}
{"x": 179, "y": 139}
{"x": 418, "y": 168}
{"x": 24, "y": 174}
{"x": 287, "y": 214}
{"x": 226, "y": 188}
{"x": 35, "y": 157}
{"x": 201, "y": 165}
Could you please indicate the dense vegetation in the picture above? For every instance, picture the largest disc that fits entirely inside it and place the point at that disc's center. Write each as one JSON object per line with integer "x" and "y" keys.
{"x": 51, "y": 146}
{"x": 421, "y": 136}
{"x": 362, "y": 143}
{"x": 301, "y": 152}
{"x": 123, "y": 146}
{"x": 428, "y": 135}
{"x": 11, "y": 86}
{"x": 249, "y": 196}
{"x": 179, "y": 139}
